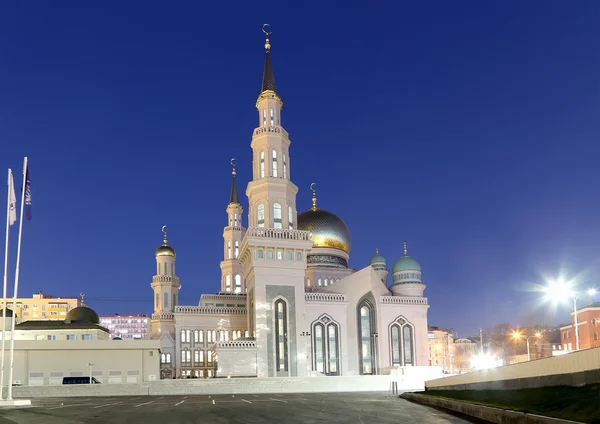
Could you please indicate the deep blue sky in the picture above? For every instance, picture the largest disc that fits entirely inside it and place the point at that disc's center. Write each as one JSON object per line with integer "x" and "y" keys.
{"x": 468, "y": 128}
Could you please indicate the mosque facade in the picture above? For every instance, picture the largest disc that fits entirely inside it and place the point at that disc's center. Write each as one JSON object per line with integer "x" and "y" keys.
{"x": 289, "y": 304}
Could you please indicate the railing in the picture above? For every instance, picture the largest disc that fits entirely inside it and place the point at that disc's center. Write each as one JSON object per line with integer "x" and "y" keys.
{"x": 235, "y": 344}
{"x": 404, "y": 300}
{"x": 162, "y": 315}
{"x": 278, "y": 233}
{"x": 225, "y": 297}
{"x": 210, "y": 310}
{"x": 270, "y": 129}
{"x": 164, "y": 279}
{"x": 324, "y": 297}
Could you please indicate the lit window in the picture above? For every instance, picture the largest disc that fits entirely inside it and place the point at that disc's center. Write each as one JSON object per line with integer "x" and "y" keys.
{"x": 326, "y": 282}
{"x": 209, "y": 357}
{"x": 308, "y": 282}
{"x": 290, "y": 218}
{"x": 272, "y": 117}
{"x": 165, "y": 300}
{"x": 281, "y": 338}
{"x": 238, "y": 283}
{"x": 265, "y": 117}
{"x": 262, "y": 164}
{"x": 261, "y": 215}
{"x": 235, "y": 220}
{"x": 320, "y": 282}
{"x": 228, "y": 250}
{"x": 284, "y": 167}
{"x": 237, "y": 249}
{"x": 274, "y": 173}
{"x": 277, "y": 216}
{"x": 228, "y": 283}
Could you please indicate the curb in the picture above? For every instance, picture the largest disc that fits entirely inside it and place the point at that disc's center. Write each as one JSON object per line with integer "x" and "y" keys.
{"x": 487, "y": 413}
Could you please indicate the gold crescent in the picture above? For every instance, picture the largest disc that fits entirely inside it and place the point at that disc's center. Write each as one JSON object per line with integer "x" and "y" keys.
{"x": 265, "y": 30}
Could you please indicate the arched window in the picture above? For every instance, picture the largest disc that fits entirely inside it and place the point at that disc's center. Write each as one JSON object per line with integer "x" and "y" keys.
{"x": 201, "y": 361}
{"x": 272, "y": 116}
{"x": 595, "y": 336}
{"x": 289, "y": 256}
{"x": 246, "y": 333}
{"x": 168, "y": 358}
{"x": 277, "y": 219}
{"x": 262, "y": 164}
{"x": 209, "y": 338}
{"x": 157, "y": 300}
{"x": 269, "y": 254}
{"x": 290, "y": 218}
{"x": 326, "y": 282}
{"x": 402, "y": 341}
{"x": 237, "y": 249}
{"x": 209, "y": 354}
{"x": 238, "y": 283}
{"x": 188, "y": 335}
{"x": 200, "y": 336}
{"x": 308, "y": 282}
{"x": 326, "y": 346}
{"x": 320, "y": 282}
{"x": 279, "y": 255}
{"x": 298, "y": 256}
{"x": 228, "y": 283}
{"x": 182, "y": 336}
{"x": 196, "y": 336}
{"x": 281, "y": 336}
{"x": 165, "y": 268}
{"x": 594, "y": 322}
{"x": 274, "y": 172}
{"x": 261, "y": 215}
{"x": 260, "y": 254}
{"x": 366, "y": 326}
{"x": 165, "y": 300}
{"x": 265, "y": 117}
{"x": 284, "y": 166}
{"x": 172, "y": 269}
{"x": 235, "y": 220}
{"x": 229, "y": 250}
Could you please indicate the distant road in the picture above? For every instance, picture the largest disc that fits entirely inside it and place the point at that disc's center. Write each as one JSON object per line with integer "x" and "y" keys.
{"x": 359, "y": 408}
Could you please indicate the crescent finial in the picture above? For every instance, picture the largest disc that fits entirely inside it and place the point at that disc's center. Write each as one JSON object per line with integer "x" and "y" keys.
{"x": 265, "y": 30}
{"x": 164, "y": 230}
{"x": 313, "y": 187}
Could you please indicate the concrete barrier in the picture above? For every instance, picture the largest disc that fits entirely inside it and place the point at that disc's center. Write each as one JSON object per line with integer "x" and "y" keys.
{"x": 493, "y": 415}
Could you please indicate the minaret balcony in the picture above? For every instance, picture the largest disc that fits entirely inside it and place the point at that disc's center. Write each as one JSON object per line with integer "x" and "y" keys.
{"x": 165, "y": 279}
{"x": 278, "y": 233}
{"x": 273, "y": 129}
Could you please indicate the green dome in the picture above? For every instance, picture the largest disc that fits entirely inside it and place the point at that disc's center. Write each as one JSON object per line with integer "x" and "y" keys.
{"x": 406, "y": 263}
{"x": 378, "y": 259}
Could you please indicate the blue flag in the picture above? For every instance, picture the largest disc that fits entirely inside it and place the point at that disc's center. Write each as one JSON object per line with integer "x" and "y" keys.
{"x": 27, "y": 195}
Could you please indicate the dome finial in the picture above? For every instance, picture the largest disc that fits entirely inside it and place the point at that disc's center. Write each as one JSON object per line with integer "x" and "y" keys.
{"x": 234, "y": 198}
{"x": 82, "y": 298}
{"x": 265, "y": 29}
{"x": 377, "y": 251}
{"x": 164, "y": 230}
{"x": 233, "y": 163}
{"x": 313, "y": 188}
{"x": 405, "y": 249}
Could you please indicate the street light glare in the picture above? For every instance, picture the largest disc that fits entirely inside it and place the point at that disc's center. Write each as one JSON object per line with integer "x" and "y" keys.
{"x": 559, "y": 290}
{"x": 516, "y": 335}
{"x": 591, "y": 292}
{"x": 538, "y": 334}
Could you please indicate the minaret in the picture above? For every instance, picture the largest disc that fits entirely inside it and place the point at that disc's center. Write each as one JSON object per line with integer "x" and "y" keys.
{"x": 165, "y": 285}
{"x": 379, "y": 263}
{"x": 232, "y": 272}
{"x": 273, "y": 252}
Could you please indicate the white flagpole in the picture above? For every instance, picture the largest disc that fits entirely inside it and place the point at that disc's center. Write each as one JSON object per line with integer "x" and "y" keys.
{"x": 12, "y": 330}
{"x": 8, "y": 201}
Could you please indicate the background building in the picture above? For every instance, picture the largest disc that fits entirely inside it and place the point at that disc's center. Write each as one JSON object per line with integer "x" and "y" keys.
{"x": 126, "y": 327}
{"x": 588, "y": 325}
{"x": 42, "y": 307}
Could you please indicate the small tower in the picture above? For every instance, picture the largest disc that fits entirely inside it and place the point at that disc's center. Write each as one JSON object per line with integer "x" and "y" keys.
{"x": 165, "y": 285}
{"x": 379, "y": 263}
{"x": 407, "y": 277}
{"x": 232, "y": 271}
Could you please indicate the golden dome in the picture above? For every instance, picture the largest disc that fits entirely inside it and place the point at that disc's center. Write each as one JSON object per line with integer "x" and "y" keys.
{"x": 165, "y": 250}
{"x": 326, "y": 229}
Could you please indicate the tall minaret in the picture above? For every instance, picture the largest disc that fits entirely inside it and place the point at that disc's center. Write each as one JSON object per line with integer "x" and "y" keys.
{"x": 165, "y": 285}
{"x": 232, "y": 272}
{"x": 273, "y": 252}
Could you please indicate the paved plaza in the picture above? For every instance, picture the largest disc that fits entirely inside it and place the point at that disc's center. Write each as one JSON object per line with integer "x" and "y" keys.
{"x": 305, "y": 408}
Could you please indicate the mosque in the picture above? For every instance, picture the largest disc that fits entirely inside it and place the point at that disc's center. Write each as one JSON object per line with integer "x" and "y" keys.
{"x": 289, "y": 304}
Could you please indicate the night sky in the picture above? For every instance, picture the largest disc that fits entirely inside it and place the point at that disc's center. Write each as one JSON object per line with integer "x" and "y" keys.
{"x": 470, "y": 129}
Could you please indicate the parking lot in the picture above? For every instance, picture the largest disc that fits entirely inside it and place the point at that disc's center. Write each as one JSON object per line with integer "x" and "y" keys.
{"x": 248, "y": 408}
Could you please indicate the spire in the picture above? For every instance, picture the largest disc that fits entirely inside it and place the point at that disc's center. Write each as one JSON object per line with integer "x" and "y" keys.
{"x": 314, "y": 196}
{"x": 164, "y": 230}
{"x": 233, "y": 198}
{"x": 268, "y": 82}
{"x": 405, "y": 249}
{"x": 377, "y": 252}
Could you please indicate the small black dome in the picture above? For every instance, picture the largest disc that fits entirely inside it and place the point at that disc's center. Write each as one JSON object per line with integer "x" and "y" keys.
{"x": 83, "y": 313}
{"x": 117, "y": 338}
{"x": 9, "y": 313}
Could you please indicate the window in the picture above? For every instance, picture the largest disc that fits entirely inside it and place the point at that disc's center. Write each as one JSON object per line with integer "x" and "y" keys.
{"x": 269, "y": 254}
{"x": 209, "y": 336}
{"x": 237, "y": 249}
{"x": 277, "y": 220}
{"x": 163, "y": 358}
{"x": 264, "y": 117}
{"x": 262, "y": 164}
{"x": 281, "y": 337}
{"x": 157, "y": 300}
{"x": 209, "y": 356}
{"x": 279, "y": 255}
{"x": 595, "y": 336}
{"x": 246, "y": 333}
{"x": 71, "y": 337}
{"x": 594, "y": 322}
{"x": 261, "y": 215}
{"x": 201, "y": 359}
{"x": 308, "y": 282}
{"x": 174, "y": 300}
{"x": 289, "y": 256}
{"x": 186, "y": 356}
{"x": 290, "y": 218}
{"x": 402, "y": 339}
{"x": 259, "y": 254}
{"x": 165, "y": 268}
{"x": 196, "y": 357}
{"x": 86, "y": 337}
{"x": 228, "y": 283}
{"x": 238, "y": 283}
{"x": 274, "y": 171}
{"x": 228, "y": 250}
{"x": 298, "y": 256}
{"x": 235, "y": 220}
{"x": 326, "y": 346}
{"x": 284, "y": 167}
{"x": 366, "y": 324}
{"x": 196, "y": 336}
{"x": 326, "y": 283}
{"x": 51, "y": 336}
{"x": 165, "y": 300}
{"x": 272, "y": 117}
{"x": 320, "y": 282}
{"x": 200, "y": 336}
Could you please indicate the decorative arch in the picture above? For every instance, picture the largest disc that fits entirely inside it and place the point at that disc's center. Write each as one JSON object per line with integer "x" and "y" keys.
{"x": 326, "y": 345}
{"x": 402, "y": 342}
{"x": 367, "y": 334}
{"x": 280, "y": 324}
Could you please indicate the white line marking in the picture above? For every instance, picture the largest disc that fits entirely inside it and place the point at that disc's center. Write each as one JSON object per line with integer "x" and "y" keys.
{"x": 209, "y": 397}
{"x": 107, "y": 404}
{"x": 213, "y": 401}
{"x": 161, "y": 398}
{"x": 185, "y": 397}
{"x": 279, "y": 400}
{"x": 232, "y": 396}
{"x": 180, "y": 403}
{"x": 246, "y": 401}
{"x": 255, "y": 395}
{"x": 141, "y": 404}
{"x": 68, "y": 406}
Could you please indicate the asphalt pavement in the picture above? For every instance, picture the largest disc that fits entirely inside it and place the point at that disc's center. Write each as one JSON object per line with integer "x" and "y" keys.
{"x": 306, "y": 408}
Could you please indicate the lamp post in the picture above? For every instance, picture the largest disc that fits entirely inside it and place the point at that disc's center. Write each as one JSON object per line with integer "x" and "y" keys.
{"x": 517, "y": 335}
{"x": 559, "y": 290}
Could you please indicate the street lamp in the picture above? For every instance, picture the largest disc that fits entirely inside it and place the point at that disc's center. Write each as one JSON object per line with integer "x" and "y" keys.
{"x": 559, "y": 290}
{"x": 91, "y": 365}
{"x": 516, "y": 335}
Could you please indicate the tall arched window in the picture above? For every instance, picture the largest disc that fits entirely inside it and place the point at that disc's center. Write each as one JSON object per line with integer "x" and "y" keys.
{"x": 260, "y": 254}
{"x": 284, "y": 166}
{"x": 265, "y": 117}
{"x": 272, "y": 116}
{"x": 168, "y": 358}
{"x": 238, "y": 283}
{"x": 183, "y": 336}
{"x": 289, "y": 256}
{"x": 281, "y": 336}
{"x": 308, "y": 282}
{"x": 366, "y": 326}
{"x": 174, "y": 300}
{"x": 326, "y": 350}
{"x": 298, "y": 256}
{"x": 277, "y": 218}
{"x": 157, "y": 300}
{"x": 269, "y": 254}
{"x": 165, "y": 300}
{"x": 229, "y": 250}
{"x": 235, "y": 222}
{"x": 228, "y": 283}
{"x": 274, "y": 172}
{"x": 402, "y": 342}
{"x": 261, "y": 215}
{"x": 237, "y": 249}
{"x": 262, "y": 164}
{"x": 165, "y": 268}
{"x": 326, "y": 283}
{"x": 290, "y": 218}
{"x": 320, "y": 282}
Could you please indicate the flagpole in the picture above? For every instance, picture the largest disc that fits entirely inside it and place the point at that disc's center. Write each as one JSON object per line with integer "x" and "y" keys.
{"x": 12, "y": 330}
{"x": 8, "y": 201}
